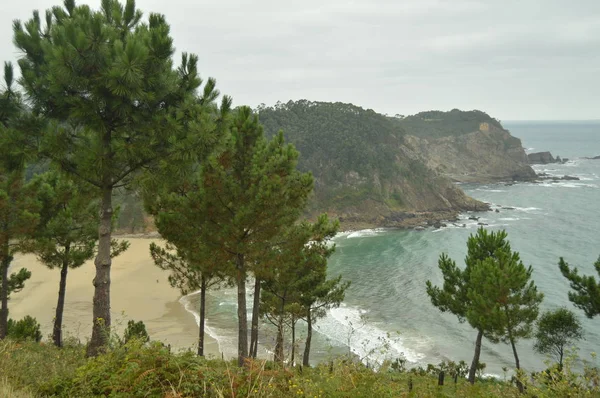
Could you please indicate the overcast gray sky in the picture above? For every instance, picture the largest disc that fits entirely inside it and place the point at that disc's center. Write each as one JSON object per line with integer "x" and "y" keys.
{"x": 515, "y": 60}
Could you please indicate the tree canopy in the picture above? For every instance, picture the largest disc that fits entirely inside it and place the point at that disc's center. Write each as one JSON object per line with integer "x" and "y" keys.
{"x": 586, "y": 289}
{"x": 109, "y": 102}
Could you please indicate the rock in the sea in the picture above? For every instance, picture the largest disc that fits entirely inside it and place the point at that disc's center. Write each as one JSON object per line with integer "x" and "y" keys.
{"x": 481, "y": 223}
{"x": 593, "y": 158}
{"x": 508, "y": 208}
{"x": 497, "y": 211}
{"x": 541, "y": 158}
{"x": 474, "y": 218}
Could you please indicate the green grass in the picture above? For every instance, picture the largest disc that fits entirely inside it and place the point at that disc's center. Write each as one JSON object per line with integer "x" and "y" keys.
{"x": 135, "y": 370}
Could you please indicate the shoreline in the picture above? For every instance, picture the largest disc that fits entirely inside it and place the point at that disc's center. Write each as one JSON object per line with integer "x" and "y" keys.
{"x": 139, "y": 291}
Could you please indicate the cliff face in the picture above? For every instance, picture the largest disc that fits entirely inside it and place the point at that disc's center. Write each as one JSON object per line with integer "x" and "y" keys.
{"x": 366, "y": 173}
{"x": 479, "y": 153}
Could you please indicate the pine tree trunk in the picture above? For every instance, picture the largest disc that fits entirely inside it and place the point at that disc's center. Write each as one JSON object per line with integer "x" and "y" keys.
{"x": 475, "y": 362}
{"x": 292, "y": 357}
{"x": 305, "y": 358}
{"x": 202, "y": 316}
{"x": 4, "y": 263}
{"x": 62, "y": 290}
{"x": 101, "y": 302}
{"x": 279, "y": 341}
{"x": 255, "y": 315}
{"x": 517, "y": 363}
{"x": 241, "y": 312}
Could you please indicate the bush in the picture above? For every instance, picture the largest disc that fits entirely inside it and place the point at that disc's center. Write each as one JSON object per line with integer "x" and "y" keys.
{"x": 136, "y": 330}
{"x": 27, "y": 328}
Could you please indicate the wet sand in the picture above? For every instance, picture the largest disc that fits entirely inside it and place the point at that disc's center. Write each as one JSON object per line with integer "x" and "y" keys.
{"x": 139, "y": 291}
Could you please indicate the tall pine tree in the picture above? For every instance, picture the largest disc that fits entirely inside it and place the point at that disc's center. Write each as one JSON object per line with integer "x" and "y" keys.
{"x": 18, "y": 200}
{"x": 67, "y": 234}
{"x": 586, "y": 290}
{"x": 251, "y": 191}
{"x": 505, "y": 299}
{"x": 104, "y": 83}
{"x": 454, "y": 295}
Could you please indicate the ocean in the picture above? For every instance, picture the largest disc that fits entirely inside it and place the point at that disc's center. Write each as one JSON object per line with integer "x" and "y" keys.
{"x": 387, "y": 313}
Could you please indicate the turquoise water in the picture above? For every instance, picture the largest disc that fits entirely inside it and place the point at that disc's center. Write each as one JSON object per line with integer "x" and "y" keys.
{"x": 387, "y": 312}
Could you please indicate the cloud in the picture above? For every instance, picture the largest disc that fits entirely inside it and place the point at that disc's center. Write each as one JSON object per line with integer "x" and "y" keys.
{"x": 515, "y": 59}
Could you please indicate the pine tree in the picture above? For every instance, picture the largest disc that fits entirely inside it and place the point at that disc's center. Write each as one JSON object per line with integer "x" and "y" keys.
{"x": 504, "y": 299}
{"x": 586, "y": 290}
{"x": 250, "y": 192}
{"x": 454, "y": 295}
{"x": 188, "y": 274}
{"x": 557, "y": 330}
{"x": 18, "y": 199}
{"x": 103, "y": 84}
{"x": 67, "y": 233}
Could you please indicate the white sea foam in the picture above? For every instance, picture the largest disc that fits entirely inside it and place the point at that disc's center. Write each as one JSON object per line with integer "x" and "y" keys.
{"x": 525, "y": 209}
{"x": 509, "y": 219}
{"x": 223, "y": 341}
{"x": 364, "y": 233}
{"x": 347, "y": 326}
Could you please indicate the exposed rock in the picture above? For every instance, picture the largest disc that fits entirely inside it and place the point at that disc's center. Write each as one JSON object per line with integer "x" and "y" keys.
{"x": 508, "y": 208}
{"x": 545, "y": 158}
{"x": 474, "y": 218}
{"x": 541, "y": 158}
{"x": 551, "y": 178}
{"x": 481, "y": 223}
{"x": 497, "y": 211}
{"x": 593, "y": 158}
{"x": 491, "y": 154}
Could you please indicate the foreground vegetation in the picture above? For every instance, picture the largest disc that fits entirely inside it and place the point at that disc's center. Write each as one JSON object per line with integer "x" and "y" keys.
{"x": 136, "y": 369}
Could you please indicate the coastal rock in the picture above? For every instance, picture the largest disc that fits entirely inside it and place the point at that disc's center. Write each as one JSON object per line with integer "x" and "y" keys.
{"x": 474, "y": 218}
{"x": 486, "y": 153}
{"x": 541, "y": 158}
{"x": 482, "y": 223}
{"x": 551, "y": 178}
{"x": 545, "y": 158}
{"x": 593, "y": 158}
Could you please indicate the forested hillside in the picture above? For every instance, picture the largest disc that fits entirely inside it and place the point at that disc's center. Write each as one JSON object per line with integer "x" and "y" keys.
{"x": 437, "y": 124}
{"x": 364, "y": 173}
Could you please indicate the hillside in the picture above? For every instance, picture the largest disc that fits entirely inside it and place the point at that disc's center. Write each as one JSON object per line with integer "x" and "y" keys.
{"x": 466, "y": 146}
{"x": 365, "y": 174}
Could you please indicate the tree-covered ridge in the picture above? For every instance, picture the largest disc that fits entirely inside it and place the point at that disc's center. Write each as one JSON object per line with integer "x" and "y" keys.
{"x": 437, "y": 124}
{"x": 360, "y": 162}
{"x": 335, "y": 138}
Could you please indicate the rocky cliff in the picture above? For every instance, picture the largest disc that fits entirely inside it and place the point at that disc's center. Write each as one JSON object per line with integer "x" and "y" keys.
{"x": 467, "y": 146}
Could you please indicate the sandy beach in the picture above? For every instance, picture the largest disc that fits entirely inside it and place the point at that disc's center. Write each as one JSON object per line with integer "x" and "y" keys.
{"x": 139, "y": 291}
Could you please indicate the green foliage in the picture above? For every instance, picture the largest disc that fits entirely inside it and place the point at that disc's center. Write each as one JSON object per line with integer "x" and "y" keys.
{"x": 18, "y": 199}
{"x": 556, "y": 332}
{"x": 437, "y": 124}
{"x": 586, "y": 290}
{"x": 294, "y": 274}
{"x": 341, "y": 144}
{"x": 492, "y": 292}
{"x": 136, "y": 330}
{"x": 108, "y": 102}
{"x": 27, "y": 328}
{"x": 504, "y": 299}
{"x": 138, "y": 370}
{"x": 248, "y": 193}
{"x": 67, "y": 232}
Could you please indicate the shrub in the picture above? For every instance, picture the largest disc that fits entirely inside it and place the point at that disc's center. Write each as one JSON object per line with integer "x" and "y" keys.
{"x": 27, "y": 328}
{"x": 136, "y": 330}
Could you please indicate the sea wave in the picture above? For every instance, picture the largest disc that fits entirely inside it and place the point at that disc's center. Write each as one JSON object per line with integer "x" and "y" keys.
{"x": 350, "y": 327}
{"x": 219, "y": 335}
{"x": 364, "y": 233}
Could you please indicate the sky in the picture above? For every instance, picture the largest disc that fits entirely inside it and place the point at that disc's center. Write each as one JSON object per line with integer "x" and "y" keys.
{"x": 516, "y": 60}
